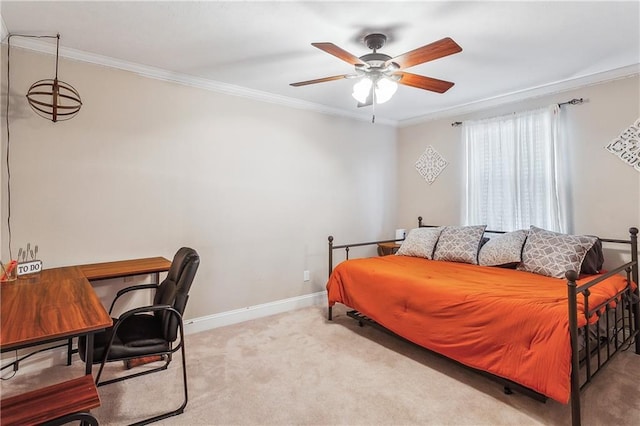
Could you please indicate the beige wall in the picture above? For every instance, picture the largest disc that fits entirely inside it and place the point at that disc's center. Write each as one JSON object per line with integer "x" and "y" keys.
{"x": 148, "y": 166}
{"x": 605, "y": 192}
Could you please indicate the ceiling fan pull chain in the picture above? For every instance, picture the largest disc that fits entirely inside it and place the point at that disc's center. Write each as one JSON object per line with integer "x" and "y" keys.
{"x": 373, "y": 106}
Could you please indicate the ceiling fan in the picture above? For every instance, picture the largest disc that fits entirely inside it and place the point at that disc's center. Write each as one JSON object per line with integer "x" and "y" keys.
{"x": 379, "y": 74}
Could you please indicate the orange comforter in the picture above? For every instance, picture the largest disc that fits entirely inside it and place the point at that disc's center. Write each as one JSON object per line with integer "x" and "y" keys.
{"x": 510, "y": 323}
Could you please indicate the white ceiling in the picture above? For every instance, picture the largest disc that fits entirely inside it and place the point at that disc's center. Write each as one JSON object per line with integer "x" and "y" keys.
{"x": 510, "y": 49}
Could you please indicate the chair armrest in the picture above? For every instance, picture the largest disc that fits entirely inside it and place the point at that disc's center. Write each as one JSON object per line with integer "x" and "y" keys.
{"x": 127, "y": 290}
{"x": 142, "y": 309}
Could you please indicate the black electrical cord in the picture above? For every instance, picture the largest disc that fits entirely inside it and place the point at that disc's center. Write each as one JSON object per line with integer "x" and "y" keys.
{"x": 15, "y": 369}
{"x": 17, "y": 361}
{"x": 8, "y": 145}
{"x": 8, "y": 130}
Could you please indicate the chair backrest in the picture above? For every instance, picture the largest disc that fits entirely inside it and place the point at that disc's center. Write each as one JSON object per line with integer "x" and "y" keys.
{"x": 174, "y": 289}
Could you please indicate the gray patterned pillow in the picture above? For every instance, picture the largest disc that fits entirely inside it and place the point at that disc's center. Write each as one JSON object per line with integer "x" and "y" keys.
{"x": 459, "y": 244}
{"x": 420, "y": 242}
{"x": 503, "y": 250}
{"x": 552, "y": 254}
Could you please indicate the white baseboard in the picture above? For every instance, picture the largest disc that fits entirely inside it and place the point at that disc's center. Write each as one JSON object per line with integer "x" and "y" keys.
{"x": 254, "y": 312}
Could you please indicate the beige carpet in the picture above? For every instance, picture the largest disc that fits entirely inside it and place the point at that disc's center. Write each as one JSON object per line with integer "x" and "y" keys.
{"x": 298, "y": 369}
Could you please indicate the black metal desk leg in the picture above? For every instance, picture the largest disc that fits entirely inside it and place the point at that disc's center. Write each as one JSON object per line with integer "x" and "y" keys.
{"x": 89, "y": 354}
{"x": 69, "y": 350}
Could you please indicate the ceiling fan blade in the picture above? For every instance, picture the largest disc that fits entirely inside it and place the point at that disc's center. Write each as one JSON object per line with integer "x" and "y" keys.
{"x": 435, "y": 50}
{"x": 422, "y": 82}
{"x": 338, "y": 52}
{"x": 320, "y": 80}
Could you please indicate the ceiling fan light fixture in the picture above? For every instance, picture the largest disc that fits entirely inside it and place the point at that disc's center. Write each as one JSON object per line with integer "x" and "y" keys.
{"x": 362, "y": 89}
{"x": 385, "y": 89}
{"x": 379, "y": 74}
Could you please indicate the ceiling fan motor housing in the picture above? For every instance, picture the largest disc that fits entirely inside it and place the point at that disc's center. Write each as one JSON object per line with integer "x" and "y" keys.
{"x": 375, "y": 41}
{"x": 375, "y": 60}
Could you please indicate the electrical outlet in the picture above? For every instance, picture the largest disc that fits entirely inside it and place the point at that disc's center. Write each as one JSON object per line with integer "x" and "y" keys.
{"x": 306, "y": 275}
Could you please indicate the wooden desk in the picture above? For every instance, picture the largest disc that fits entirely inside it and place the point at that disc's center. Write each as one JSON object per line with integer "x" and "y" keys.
{"x": 125, "y": 268}
{"x": 52, "y": 305}
{"x": 59, "y": 303}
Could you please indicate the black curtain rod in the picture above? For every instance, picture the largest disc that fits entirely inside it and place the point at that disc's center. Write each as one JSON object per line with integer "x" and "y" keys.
{"x": 574, "y": 101}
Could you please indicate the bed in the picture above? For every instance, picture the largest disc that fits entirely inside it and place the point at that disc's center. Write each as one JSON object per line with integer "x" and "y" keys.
{"x": 546, "y": 332}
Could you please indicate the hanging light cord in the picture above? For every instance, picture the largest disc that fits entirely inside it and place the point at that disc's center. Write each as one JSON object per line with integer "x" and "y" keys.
{"x": 7, "y": 159}
{"x": 57, "y": 53}
{"x": 7, "y": 124}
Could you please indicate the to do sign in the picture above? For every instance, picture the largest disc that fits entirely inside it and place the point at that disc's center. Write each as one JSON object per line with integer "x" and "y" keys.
{"x": 29, "y": 267}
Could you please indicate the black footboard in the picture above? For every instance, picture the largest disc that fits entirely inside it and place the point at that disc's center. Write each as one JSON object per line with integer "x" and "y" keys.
{"x": 614, "y": 325}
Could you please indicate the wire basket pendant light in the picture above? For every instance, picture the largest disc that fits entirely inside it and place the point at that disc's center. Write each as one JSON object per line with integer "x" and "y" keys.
{"x": 54, "y": 100}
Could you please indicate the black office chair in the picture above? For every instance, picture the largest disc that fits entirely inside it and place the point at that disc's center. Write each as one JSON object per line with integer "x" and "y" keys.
{"x": 150, "y": 330}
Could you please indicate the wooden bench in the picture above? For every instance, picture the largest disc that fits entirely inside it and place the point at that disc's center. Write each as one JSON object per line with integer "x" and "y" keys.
{"x": 53, "y": 405}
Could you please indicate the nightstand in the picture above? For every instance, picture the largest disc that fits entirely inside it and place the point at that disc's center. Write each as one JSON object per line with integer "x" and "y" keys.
{"x": 385, "y": 249}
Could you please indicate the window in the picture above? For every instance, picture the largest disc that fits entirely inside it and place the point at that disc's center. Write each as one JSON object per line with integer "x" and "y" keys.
{"x": 513, "y": 171}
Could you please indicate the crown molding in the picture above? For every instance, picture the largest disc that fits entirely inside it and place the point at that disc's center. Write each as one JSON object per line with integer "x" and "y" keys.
{"x": 187, "y": 80}
{"x": 531, "y": 93}
{"x": 233, "y": 90}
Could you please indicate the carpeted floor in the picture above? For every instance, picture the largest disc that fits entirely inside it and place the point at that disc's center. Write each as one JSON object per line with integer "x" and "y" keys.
{"x": 299, "y": 369}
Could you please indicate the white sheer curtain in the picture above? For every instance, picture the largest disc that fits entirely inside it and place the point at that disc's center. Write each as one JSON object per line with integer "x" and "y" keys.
{"x": 514, "y": 175}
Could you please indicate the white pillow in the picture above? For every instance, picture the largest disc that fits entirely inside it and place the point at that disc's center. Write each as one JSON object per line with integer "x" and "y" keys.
{"x": 420, "y": 242}
{"x": 552, "y": 254}
{"x": 504, "y": 249}
{"x": 459, "y": 244}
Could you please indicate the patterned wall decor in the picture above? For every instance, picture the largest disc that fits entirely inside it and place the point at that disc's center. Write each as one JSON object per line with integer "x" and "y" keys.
{"x": 430, "y": 164}
{"x": 627, "y": 146}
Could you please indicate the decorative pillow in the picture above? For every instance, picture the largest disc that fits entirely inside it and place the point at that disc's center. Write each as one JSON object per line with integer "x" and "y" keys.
{"x": 420, "y": 242}
{"x": 593, "y": 260}
{"x": 552, "y": 254}
{"x": 503, "y": 250}
{"x": 459, "y": 244}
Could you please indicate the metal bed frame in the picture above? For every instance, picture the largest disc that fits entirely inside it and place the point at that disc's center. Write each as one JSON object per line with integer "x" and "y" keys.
{"x": 620, "y": 333}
